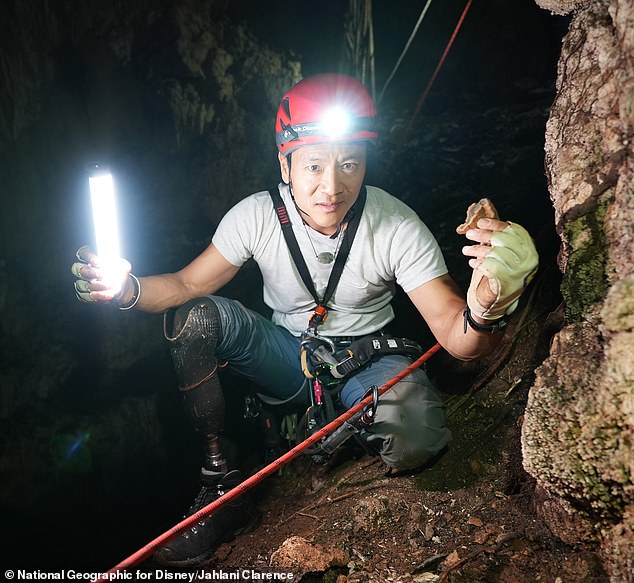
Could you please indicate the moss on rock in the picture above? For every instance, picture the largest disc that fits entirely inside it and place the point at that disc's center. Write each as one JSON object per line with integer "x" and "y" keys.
{"x": 584, "y": 282}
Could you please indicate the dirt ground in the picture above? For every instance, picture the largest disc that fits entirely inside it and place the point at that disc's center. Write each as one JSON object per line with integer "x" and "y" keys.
{"x": 469, "y": 517}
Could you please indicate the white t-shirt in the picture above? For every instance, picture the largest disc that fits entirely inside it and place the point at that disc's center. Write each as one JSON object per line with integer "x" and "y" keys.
{"x": 392, "y": 246}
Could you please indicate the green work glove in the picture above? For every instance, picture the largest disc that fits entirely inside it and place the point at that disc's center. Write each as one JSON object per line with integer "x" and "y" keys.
{"x": 509, "y": 266}
{"x": 93, "y": 284}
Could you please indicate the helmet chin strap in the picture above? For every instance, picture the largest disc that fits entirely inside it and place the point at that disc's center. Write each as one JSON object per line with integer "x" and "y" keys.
{"x": 299, "y": 209}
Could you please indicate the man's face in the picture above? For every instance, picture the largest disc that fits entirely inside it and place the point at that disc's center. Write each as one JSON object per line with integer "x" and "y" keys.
{"x": 325, "y": 180}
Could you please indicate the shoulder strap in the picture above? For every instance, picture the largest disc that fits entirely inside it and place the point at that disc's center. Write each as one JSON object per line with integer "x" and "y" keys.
{"x": 346, "y": 244}
{"x": 291, "y": 241}
{"x": 296, "y": 254}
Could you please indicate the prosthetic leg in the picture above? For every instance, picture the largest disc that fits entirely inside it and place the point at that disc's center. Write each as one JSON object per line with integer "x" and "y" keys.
{"x": 194, "y": 335}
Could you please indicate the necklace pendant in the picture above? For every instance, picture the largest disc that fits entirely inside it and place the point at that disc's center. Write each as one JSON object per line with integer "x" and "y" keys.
{"x": 325, "y": 257}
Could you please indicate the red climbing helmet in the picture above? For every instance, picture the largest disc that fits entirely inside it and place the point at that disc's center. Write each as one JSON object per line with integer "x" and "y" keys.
{"x": 324, "y": 108}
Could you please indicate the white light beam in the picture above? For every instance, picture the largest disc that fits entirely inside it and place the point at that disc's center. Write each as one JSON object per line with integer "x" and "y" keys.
{"x": 104, "y": 214}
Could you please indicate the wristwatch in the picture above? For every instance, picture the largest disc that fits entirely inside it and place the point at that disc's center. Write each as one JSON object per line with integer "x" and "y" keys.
{"x": 492, "y": 328}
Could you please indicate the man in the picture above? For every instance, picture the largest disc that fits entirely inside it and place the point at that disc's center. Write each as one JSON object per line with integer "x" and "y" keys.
{"x": 326, "y": 246}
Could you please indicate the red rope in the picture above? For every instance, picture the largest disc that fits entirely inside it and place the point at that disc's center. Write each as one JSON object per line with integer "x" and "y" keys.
{"x": 423, "y": 96}
{"x": 265, "y": 472}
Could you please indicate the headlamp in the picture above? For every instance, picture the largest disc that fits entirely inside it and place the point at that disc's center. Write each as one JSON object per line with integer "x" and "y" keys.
{"x": 335, "y": 122}
{"x": 104, "y": 214}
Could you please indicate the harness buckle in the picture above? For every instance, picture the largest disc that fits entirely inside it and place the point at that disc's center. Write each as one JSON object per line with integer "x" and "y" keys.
{"x": 317, "y": 355}
{"x": 319, "y": 317}
{"x": 311, "y": 340}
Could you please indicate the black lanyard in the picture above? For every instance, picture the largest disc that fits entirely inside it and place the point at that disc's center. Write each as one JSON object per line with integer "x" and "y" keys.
{"x": 321, "y": 312}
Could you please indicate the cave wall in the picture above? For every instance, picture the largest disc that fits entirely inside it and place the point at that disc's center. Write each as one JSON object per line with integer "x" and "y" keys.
{"x": 578, "y": 432}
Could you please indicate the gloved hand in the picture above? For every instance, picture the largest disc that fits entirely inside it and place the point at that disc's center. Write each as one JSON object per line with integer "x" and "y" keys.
{"x": 93, "y": 284}
{"x": 503, "y": 265}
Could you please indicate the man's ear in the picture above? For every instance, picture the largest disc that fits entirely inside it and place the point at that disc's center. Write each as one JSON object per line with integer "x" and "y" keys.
{"x": 285, "y": 171}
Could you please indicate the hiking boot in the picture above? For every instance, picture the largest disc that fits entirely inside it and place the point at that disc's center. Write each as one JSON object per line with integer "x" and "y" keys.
{"x": 193, "y": 546}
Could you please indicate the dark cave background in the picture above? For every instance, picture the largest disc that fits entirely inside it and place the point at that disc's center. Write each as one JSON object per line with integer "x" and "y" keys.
{"x": 97, "y": 455}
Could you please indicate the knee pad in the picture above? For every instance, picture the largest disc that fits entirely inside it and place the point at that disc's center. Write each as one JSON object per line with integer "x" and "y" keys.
{"x": 193, "y": 331}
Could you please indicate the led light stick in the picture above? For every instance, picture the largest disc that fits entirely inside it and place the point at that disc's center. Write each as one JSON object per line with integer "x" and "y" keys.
{"x": 104, "y": 214}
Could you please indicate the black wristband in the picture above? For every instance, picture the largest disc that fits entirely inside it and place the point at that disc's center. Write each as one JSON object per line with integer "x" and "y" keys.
{"x": 492, "y": 328}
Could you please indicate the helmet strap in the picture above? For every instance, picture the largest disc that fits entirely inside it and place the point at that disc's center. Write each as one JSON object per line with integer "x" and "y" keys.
{"x": 300, "y": 210}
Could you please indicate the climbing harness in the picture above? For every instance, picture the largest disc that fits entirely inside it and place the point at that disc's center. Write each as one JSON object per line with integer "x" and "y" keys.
{"x": 262, "y": 474}
{"x": 341, "y": 364}
{"x": 327, "y": 370}
{"x": 317, "y": 350}
{"x": 324, "y": 364}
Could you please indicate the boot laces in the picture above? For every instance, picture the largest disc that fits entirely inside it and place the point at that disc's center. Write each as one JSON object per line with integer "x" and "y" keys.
{"x": 205, "y": 497}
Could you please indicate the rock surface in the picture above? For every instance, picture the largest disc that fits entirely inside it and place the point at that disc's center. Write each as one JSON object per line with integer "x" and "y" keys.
{"x": 299, "y": 556}
{"x": 578, "y": 432}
